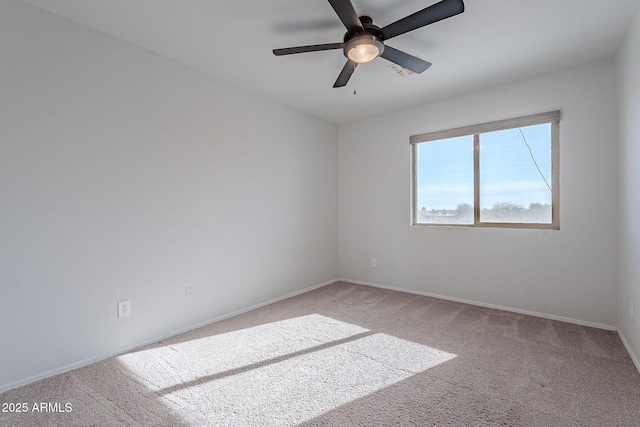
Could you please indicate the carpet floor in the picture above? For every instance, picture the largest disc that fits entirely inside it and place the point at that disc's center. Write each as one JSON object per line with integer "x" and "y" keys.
{"x": 351, "y": 355}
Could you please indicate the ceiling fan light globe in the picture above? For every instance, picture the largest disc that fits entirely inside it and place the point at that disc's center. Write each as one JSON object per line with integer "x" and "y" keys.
{"x": 363, "y": 49}
{"x": 364, "y": 53}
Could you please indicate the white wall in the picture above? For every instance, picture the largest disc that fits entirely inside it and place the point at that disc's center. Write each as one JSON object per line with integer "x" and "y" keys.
{"x": 568, "y": 273}
{"x": 127, "y": 175}
{"x": 628, "y": 92}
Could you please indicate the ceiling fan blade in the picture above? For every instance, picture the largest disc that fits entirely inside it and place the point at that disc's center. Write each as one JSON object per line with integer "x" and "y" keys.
{"x": 346, "y": 73}
{"x": 434, "y": 13}
{"x": 405, "y": 60}
{"x": 347, "y": 15}
{"x": 310, "y": 48}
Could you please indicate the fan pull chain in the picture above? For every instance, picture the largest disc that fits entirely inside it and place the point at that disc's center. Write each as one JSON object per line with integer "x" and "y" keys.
{"x": 355, "y": 80}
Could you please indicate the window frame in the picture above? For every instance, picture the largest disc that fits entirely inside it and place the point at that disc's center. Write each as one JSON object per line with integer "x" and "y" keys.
{"x": 551, "y": 117}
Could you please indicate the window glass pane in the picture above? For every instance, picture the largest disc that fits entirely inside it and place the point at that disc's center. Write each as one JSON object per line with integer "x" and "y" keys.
{"x": 515, "y": 175}
{"x": 444, "y": 192}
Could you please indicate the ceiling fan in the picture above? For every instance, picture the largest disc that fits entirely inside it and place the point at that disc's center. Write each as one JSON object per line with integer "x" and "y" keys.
{"x": 364, "y": 41}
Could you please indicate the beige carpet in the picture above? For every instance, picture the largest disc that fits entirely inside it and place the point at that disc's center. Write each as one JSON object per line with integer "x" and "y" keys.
{"x": 347, "y": 355}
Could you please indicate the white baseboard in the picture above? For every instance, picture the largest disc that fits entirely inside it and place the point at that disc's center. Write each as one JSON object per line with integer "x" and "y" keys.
{"x": 89, "y": 361}
{"x": 482, "y": 304}
{"x": 633, "y": 356}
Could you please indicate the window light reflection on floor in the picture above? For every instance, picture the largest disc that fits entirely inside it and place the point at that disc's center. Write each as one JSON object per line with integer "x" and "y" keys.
{"x": 290, "y": 371}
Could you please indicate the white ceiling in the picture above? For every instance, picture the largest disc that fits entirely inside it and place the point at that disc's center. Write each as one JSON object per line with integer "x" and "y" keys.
{"x": 493, "y": 41}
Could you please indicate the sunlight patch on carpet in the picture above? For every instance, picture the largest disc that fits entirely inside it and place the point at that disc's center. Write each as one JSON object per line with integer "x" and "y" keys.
{"x": 281, "y": 373}
{"x": 175, "y": 362}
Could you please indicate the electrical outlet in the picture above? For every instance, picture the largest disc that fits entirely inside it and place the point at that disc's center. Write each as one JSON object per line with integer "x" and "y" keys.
{"x": 374, "y": 263}
{"x": 631, "y": 310}
{"x": 124, "y": 308}
{"x": 189, "y": 293}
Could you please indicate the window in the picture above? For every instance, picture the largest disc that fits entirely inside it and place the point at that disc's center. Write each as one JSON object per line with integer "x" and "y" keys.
{"x": 499, "y": 174}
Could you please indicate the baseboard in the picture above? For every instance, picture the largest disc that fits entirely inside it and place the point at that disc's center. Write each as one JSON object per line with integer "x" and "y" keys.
{"x": 482, "y": 304}
{"x": 127, "y": 349}
{"x": 633, "y": 356}
{"x": 89, "y": 361}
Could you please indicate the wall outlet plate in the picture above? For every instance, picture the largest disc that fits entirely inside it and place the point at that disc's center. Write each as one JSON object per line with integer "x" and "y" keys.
{"x": 189, "y": 293}
{"x": 124, "y": 308}
{"x": 631, "y": 310}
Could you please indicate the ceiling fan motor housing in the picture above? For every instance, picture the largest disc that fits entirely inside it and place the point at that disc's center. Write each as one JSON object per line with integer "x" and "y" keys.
{"x": 363, "y": 47}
